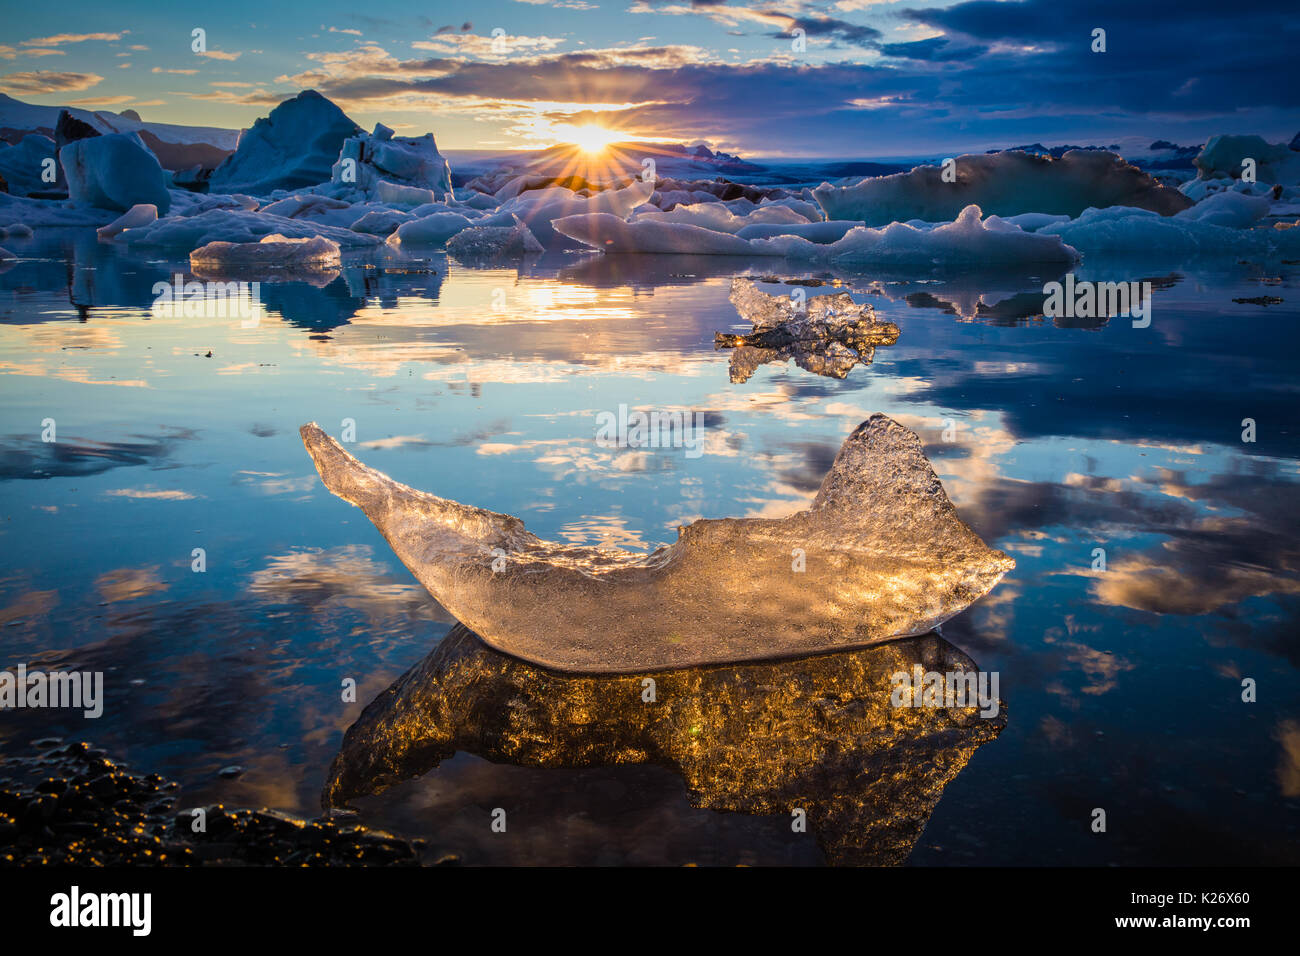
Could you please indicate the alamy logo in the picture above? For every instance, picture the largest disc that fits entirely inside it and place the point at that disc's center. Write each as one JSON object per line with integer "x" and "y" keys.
{"x": 1095, "y": 300}
{"x": 220, "y": 300}
{"x": 74, "y": 908}
{"x": 921, "y": 688}
{"x": 658, "y": 429}
{"x": 73, "y": 689}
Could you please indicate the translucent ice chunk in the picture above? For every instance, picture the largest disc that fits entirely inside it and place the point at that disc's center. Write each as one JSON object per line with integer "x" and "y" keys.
{"x": 880, "y": 554}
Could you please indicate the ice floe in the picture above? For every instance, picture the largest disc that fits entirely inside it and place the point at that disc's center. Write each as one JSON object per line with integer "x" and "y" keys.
{"x": 968, "y": 241}
{"x": 236, "y": 225}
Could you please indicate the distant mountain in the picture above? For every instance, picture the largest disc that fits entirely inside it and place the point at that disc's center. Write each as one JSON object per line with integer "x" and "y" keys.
{"x": 177, "y": 147}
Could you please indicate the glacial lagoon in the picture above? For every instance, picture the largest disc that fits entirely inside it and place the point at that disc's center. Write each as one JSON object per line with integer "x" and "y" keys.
{"x": 1061, "y": 442}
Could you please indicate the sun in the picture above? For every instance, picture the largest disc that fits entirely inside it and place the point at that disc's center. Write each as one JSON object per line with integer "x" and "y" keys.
{"x": 591, "y": 139}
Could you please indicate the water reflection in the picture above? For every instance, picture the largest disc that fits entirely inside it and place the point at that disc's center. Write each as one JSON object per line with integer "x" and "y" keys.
{"x": 818, "y": 734}
{"x": 180, "y": 432}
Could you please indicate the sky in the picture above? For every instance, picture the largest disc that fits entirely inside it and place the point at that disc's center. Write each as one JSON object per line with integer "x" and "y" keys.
{"x": 816, "y": 78}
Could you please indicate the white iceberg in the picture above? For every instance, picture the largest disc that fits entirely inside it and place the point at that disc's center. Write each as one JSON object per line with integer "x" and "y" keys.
{"x": 115, "y": 172}
{"x": 1223, "y": 158}
{"x": 406, "y": 170}
{"x": 22, "y": 165}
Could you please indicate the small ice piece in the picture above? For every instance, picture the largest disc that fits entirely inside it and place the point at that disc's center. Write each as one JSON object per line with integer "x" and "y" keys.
{"x": 1223, "y": 156}
{"x": 880, "y": 554}
{"x": 610, "y": 233}
{"x": 431, "y": 229}
{"x": 6, "y": 254}
{"x": 381, "y": 222}
{"x": 824, "y": 334}
{"x": 822, "y": 233}
{"x": 273, "y": 252}
{"x": 138, "y": 215}
{"x": 493, "y": 243}
{"x": 18, "y": 230}
{"x": 719, "y": 218}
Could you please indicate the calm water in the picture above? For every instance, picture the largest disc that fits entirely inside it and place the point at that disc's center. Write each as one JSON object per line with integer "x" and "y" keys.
{"x": 1123, "y": 688}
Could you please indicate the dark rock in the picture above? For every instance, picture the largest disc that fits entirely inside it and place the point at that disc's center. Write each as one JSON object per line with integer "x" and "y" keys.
{"x": 54, "y": 817}
{"x": 69, "y": 129}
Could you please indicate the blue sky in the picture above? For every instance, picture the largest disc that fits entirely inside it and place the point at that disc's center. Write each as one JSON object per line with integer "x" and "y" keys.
{"x": 873, "y": 79}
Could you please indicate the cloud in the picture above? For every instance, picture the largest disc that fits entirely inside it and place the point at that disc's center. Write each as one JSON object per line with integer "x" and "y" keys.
{"x": 102, "y": 100}
{"x": 45, "y": 81}
{"x": 59, "y": 39}
{"x": 220, "y": 55}
{"x": 159, "y": 69}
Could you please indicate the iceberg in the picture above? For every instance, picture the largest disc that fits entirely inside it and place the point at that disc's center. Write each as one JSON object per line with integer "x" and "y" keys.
{"x": 274, "y": 252}
{"x": 21, "y": 165}
{"x": 292, "y": 148}
{"x": 819, "y": 734}
{"x": 825, "y": 334}
{"x": 1003, "y": 184}
{"x": 1222, "y": 158}
{"x": 396, "y": 169}
{"x": 116, "y": 171}
{"x": 880, "y": 554}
